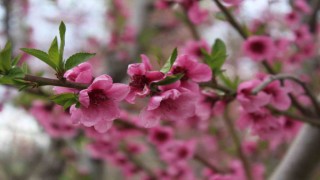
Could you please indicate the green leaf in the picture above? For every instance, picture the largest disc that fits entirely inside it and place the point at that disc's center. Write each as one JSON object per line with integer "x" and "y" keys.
{"x": 217, "y": 57}
{"x": 167, "y": 66}
{"x": 54, "y": 52}
{"x": 63, "y": 99}
{"x": 62, "y": 31}
{"x": 232, "y": 84}
{"x": 16, "y": 60}
{"x": 40, "y": 55}
{"x": 76, "y": 59}
{"x": 168, "y": 80}
{"x": 5, "y": 57}
{"x": 69, "y": 103}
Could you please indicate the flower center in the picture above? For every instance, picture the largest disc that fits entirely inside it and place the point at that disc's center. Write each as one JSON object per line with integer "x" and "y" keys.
{"x": 162, "y": 136}
{"x": 182, "y": 70}
{"x": 97, "y": 96}
{"x": 258, "y": 47}
{"x": 138, "y": 82}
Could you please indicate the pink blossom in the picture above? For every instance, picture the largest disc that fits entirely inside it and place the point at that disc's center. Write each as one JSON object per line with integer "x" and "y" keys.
{"x": 251, "y": 102}
{"x": 302, "y": 35}
{"x": 99, "y": 103}
{"x": 56, "y": 122}
{"x": 171, "y": 105}
{"x": 160, "y": 135}
{"x": 193, "y": 70}
{"x": 262, "y": 123}
{"x": 80, "y": 74}
{"x": 193, "y": 48}
{"x": 177, "y": 152}
{"x": 302, "y": 5}
{"x": 259, "y": 48}
{"x": 197, "y": 15}
{"x": 141, "y": 75}
{"x": 292, "y": 18}
{"x": 279, "y": 97}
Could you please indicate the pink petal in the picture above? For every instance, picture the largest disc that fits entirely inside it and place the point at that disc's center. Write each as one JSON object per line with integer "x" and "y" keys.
{"x": 84, "y": 98}
{"x": 136, "y": 69}
{"x": 118, "y": 92}
{"x": 103, "y": 126}
{"x": 103, "y": 82}
{"x": 146, "y": 62}
{"x": 200, "y": 73}
{"x": 154, "y": 75}
{"x": 154, "y": 102}
{"x": 75, "y": 114}
{"x": 149, "y": 118}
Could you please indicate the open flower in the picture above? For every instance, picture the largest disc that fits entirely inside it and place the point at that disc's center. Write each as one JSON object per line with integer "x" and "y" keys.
{"x": 259, "y": 48}
{"x": 251, "y": 102}
{"x": 192, "y": 69}
{"x": 141, "y": 75}
{"x": 171, "y": 105}
{"x": 99, "y": 103}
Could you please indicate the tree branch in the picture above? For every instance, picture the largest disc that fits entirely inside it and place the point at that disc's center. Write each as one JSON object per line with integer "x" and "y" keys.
{"x": 302, "y": 158}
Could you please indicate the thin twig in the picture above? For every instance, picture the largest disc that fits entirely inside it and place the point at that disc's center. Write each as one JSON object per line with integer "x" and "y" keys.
{"x": 41, "y": 81}
{"x": 307, "y": 91}
{"x": 231, "y": 19}
{"x": 245, "y": 162}
{"x": 308, "y": 120}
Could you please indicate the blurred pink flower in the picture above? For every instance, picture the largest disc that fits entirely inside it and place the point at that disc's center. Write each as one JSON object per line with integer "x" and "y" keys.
{"x": 259, "y": 48}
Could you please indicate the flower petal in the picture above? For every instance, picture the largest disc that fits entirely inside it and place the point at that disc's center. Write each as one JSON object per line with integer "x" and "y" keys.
{"x": 103, "y": 82}
{"x": 118, "y": 92}
{"x": 84, "y": 98}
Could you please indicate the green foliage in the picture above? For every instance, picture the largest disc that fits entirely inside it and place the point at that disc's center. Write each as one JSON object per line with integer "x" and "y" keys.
{"x": 65, "y": 99}
{"x": 43, "y": 56}
{"x": 168, "y": 80}
{"x": 76, "y": 59}
{"x": 217, "y": 57}
{"x": 5, "y": 56}
{"x": 231, "y": 84}
{"x": 9, "y": 71}
{"x": 167, "y": 66}
{"x": 54, "y": 57}
{"x": 54, "y": 52}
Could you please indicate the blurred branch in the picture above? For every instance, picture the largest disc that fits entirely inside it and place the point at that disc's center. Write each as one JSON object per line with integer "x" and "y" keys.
{"x": 231, "y": 19}
{"x": 7, "y": 4}
{"x": 245, "y": 162}
{"x": 314, "y": 16}
{"x": 307, "y": 91}
{"x": 302, "y": 158}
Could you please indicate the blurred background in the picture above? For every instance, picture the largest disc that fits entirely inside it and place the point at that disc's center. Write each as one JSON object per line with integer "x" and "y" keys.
{"x": 118, "y": 31}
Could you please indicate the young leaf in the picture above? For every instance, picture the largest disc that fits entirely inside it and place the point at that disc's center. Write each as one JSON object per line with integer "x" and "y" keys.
{"x": 40, "y": 55}
{"x": 168, "y": 80}
{"x": 16, "y": 60}
{"x": 61, "y": 99}
{"x": 76, "y": 59}
{"x": 5, "y": 56}
{"x": 62, "y": 31}
{"x": 69, "y": 103}
{"x": 218, "y": 56}
{"x": 54, "y": 52}
{"x": 167, "y": 66}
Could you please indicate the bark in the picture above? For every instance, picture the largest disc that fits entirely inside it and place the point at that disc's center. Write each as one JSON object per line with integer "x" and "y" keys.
{"x": 302, "y": 158}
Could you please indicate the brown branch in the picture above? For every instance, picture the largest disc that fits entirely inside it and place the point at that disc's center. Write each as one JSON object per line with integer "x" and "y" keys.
{"x": 245, "y": 162}
{"x": 231, "y": 19}
{"x": 307, "y": 91}
{"x": 313, "y": 17}
{"x": 41, "y": 81}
